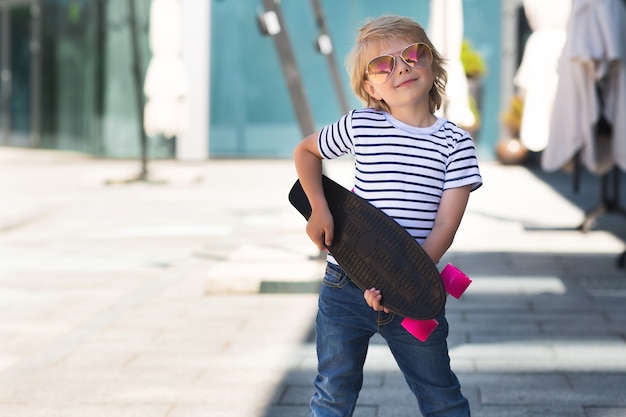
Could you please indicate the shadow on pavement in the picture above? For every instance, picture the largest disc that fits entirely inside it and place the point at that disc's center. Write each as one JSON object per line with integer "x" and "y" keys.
{"x": 587, "y": 194}
{"x": 536, "y": 334}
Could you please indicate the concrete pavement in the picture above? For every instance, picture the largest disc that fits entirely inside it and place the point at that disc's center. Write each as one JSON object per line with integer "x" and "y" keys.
{"x": 193, "y": 294}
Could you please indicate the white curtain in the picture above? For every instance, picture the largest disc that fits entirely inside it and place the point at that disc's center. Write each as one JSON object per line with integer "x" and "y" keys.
{"x": 445, "y": 30}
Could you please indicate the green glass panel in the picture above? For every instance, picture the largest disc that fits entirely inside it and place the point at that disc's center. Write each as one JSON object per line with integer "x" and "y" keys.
{"x": 21, "y": 72}
{"x": 70, "y": 88}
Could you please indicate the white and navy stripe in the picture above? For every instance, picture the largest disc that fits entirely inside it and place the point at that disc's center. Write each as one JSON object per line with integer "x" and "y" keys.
{"x": 401, "y": 169}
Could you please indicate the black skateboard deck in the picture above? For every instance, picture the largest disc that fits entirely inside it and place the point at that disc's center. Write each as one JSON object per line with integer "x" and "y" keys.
{"x": 375, "y": 251}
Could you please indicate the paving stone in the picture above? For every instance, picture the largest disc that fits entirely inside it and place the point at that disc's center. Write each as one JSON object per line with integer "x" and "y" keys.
{"x": 605, "y": 411}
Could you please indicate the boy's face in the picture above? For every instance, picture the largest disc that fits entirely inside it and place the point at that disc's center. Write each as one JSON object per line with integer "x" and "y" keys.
{"x": 407, "y": 86}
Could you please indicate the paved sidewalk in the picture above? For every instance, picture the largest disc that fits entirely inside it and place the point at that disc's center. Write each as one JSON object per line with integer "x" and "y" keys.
{"x": 193, "y": 295}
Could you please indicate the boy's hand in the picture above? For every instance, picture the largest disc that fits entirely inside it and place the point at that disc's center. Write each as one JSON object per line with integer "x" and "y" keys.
{"x": 373, "y": 298}
{"x": 320, "y": 228}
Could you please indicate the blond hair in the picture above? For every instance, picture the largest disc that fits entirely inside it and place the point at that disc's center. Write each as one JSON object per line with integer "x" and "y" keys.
{"x": 376, "y": 34}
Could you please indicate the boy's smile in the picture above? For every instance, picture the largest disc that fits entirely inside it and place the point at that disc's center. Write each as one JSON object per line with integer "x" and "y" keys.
{"x": 405, "y": 83}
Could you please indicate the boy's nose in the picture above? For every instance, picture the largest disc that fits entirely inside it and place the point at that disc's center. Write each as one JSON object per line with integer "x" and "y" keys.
{"x": 403, "y": 67}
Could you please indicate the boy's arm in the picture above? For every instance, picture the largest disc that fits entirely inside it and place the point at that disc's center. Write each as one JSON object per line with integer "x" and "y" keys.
{"x": 308, "y": 163}
{"x": 449, "y": 214}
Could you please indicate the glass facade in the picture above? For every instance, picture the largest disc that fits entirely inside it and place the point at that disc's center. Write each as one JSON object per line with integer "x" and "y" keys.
{"x": 71, "y": 76}
{"x": 69, "y": 67}
{"x": 120, "y": 123}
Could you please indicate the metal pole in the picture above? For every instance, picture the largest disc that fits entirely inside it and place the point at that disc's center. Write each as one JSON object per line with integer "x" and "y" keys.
{"x": 291, "y": 72}
{"x": 139, "y": 101}
{"x": 330, "y": 55}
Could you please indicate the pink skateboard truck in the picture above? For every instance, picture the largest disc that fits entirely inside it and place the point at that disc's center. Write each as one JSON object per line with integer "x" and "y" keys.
{"x": 455, "y": 283}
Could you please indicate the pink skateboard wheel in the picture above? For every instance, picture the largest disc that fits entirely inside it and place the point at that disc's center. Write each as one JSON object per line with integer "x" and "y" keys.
{"x": 421, "y": 329}
{"x": 455, "y": 281}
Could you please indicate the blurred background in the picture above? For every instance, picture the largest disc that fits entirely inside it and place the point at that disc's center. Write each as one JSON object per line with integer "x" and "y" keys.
{"x": 71, "y": 70}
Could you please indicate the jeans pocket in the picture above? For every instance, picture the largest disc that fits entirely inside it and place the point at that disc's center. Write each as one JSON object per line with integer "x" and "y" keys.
{"x": 334, "y": 276}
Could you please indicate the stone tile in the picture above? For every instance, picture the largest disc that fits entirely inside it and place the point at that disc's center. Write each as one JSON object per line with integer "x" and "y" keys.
{"x": 82, "y": 410}
{"x": 283, "y": 411}
{"x": 605, "y": 411}
{"x": 560, "y": 410}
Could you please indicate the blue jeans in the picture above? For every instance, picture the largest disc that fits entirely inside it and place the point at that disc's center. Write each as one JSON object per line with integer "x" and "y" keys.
{"x": 344, "y": 325}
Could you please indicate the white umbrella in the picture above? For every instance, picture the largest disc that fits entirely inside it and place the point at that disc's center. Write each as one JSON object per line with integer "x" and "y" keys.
{"x": 445, "y": 29}
{"x": 166, "y": 86}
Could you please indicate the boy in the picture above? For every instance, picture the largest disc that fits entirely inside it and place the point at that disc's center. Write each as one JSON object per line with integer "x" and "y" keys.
{"x": 417, "y": 168}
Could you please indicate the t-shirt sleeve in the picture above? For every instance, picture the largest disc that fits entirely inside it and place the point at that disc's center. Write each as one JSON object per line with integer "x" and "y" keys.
{"x": 462, "y": 168}
{"x": 336, "y": 140}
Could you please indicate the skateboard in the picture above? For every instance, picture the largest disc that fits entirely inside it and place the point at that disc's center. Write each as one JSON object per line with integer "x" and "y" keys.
{"x": 375, "y": 251}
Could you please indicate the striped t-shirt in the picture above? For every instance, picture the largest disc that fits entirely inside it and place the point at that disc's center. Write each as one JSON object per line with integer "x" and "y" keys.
{"x": 401, "y": 169}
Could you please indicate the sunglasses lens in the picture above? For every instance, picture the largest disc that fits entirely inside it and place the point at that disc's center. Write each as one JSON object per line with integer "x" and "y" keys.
{"x": 380, "y": 68}
{"x": 418, "y": 55}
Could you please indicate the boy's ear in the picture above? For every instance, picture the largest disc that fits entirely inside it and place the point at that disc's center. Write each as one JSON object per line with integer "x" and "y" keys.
{"x": 371, "y": 90}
